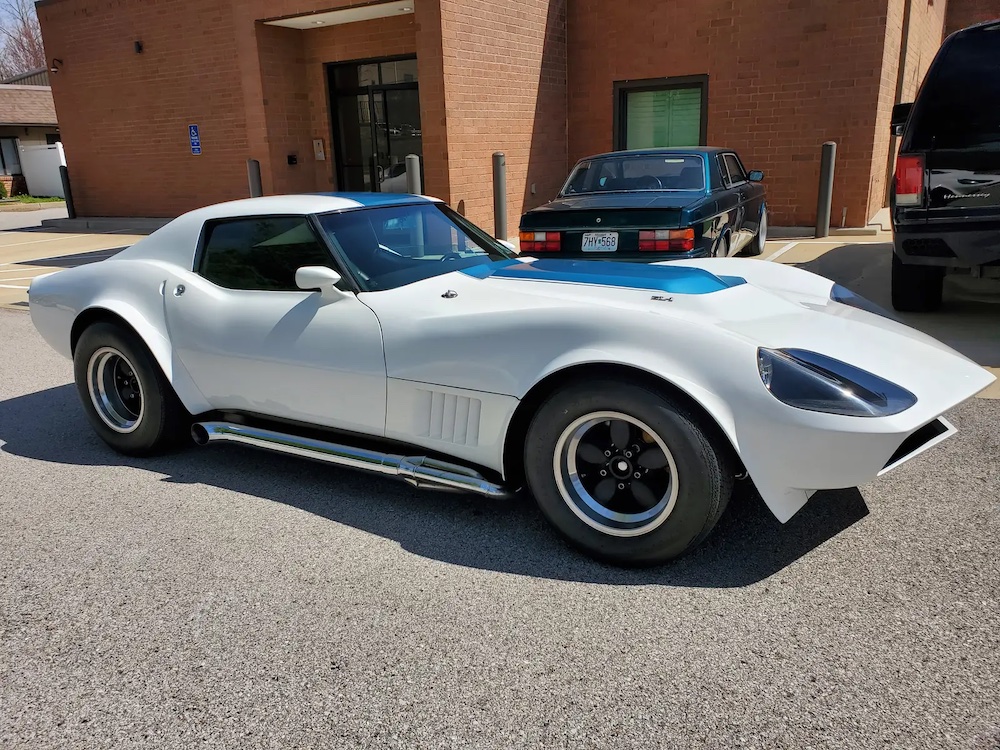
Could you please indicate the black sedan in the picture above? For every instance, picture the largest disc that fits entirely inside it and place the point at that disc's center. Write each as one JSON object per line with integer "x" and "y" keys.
{"x": 652, "y": 205}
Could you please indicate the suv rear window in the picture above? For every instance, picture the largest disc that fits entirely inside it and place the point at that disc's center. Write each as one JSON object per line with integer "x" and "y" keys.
{"x": 959, "y": 105}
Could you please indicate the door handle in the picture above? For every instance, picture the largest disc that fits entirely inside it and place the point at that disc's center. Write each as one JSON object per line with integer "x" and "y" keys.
{"x": 179, "y": 290}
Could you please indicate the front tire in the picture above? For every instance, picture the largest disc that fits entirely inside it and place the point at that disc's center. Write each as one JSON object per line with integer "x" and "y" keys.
{"x": 757, "y": 247}
{"x": 625, "y": 473}
{"x": 916, "y": 288}
{"x": 127, "y": 399}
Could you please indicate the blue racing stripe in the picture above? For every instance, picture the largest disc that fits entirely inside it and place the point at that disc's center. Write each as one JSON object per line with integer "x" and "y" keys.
{"x": 669, "y": 279}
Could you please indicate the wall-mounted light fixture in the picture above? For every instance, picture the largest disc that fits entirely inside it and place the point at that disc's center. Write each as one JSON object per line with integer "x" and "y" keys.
{"x": 56, "y": 64}
{"x": 138, "y": 47}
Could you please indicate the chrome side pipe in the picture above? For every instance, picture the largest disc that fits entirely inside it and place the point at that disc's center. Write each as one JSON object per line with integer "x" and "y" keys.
{"x": 418, "y": 471}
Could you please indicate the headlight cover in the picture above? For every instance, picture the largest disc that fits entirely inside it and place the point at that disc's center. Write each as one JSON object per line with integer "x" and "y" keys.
{"x": 845, "y": 296}
{"x": 815, "y": 382}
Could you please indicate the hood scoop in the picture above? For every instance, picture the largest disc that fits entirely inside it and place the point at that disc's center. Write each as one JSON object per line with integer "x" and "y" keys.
{"x": 655, "y": 278}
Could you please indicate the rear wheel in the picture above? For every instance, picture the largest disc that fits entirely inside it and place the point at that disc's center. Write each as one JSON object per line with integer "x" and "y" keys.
{"x": 916, "y": 288}
{"x": 126, "y": 397}
{"x": 624, "y": 473}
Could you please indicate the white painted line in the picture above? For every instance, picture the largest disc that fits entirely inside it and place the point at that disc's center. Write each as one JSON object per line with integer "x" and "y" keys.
{"x": 782, "y": 251}
{"x": 35, "y": 242}
{"x": 11, "y": 286}
{"x": 19, "y": 278}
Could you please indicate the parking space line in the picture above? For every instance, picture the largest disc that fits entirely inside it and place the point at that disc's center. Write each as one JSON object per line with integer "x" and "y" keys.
{"x": 18, "y": 278}
{"x": 11, "y": 286}
{"x": 782, "y": 251}
{"x": 36, "y": 242}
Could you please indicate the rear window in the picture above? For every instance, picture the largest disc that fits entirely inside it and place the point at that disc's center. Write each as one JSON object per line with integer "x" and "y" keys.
{"x": 647, "y": 172}
{"x": 959, "y": 105}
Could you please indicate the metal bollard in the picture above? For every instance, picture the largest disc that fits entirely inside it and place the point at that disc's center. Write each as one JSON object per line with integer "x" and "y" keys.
{"x": 253, "y": 176}
{"x": 499, "y": 196}
{"x": 413, "y": 174}
{"x": 67, "y": 192}
{"x": 826, "y": 170}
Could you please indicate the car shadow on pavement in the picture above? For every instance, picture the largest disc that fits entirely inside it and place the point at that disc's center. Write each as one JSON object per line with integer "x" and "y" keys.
{"x": 967, "y": 320}
{"x": 747, "y": 546}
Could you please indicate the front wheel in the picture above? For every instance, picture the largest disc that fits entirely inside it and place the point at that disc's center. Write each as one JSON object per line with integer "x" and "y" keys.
{"x": 126, "y": 397}
{"x": 624, "y": 473}
{"x": 757, "y": 246}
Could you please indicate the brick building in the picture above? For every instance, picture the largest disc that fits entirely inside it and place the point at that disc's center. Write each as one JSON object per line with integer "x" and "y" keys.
{"x": 333, "y": 94}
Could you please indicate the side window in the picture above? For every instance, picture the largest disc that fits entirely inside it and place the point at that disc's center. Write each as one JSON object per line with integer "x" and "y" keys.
{"x": 736, "y": 172}
{"x": 726, "y": 181}
{"x": 262, "y": 253}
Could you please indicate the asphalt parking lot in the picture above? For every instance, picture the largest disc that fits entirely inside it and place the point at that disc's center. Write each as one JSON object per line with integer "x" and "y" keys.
{"x": 230, "y": 598}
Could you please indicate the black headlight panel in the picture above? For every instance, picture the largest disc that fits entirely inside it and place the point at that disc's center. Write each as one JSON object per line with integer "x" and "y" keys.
{"x": 815, "y": 382}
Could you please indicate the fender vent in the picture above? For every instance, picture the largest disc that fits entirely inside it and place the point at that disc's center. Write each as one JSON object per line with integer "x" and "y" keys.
{"x": 448, "y": 417}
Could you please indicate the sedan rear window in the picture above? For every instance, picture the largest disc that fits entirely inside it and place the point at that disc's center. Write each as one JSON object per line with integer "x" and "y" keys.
{"x": 625, "y": 173}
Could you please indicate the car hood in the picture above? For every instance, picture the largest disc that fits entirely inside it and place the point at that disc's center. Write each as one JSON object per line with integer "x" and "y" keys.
{"x": 495, "y": 327}
{"x": 637, "y": 199}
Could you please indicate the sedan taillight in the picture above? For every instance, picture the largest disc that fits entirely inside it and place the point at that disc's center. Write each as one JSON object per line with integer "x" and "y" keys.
{"x": 666, "y": 240}
{"x": 541, "y": 242}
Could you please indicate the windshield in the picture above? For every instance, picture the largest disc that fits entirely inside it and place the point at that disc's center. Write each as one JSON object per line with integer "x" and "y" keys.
{"x": 389, "y": 247}
{"x": 612, "y": 174}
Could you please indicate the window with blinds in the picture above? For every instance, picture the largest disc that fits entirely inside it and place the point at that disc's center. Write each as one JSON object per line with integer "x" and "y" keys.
{"x": 665, "y": 113}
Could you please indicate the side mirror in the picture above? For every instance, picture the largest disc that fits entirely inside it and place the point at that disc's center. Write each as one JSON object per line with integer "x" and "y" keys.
{"x": 900, "y": 114}
{"x": 756, "y": 176}
{"x": 510, "y": 246}
{"x": 321, "y": 279}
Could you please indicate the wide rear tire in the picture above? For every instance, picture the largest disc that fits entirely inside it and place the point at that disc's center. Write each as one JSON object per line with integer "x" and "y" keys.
{"x": 127, "y": 399}
{"x": 625, "y": 473}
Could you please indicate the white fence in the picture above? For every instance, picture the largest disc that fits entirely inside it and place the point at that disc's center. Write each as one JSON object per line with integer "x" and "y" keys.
{"x": 40, "y": 166}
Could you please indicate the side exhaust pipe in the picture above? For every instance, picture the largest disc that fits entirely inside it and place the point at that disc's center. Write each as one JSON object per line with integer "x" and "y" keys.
{"x": 417, "y": 471}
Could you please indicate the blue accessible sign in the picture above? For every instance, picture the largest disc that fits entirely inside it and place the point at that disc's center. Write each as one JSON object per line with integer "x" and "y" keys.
{"x": 195, "y": 140}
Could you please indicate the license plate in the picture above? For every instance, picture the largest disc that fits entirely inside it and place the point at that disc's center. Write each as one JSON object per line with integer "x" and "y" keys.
{"x": 600, "y": 242}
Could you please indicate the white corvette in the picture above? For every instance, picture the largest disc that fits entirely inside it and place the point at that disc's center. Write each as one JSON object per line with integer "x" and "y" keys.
{"x": 387, "y": 333}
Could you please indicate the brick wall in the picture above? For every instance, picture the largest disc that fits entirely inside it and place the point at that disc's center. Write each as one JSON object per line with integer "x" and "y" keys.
{"x": 784, "y": 76}
{"x": 962, "y": 13}
{"x": 125, "y": 116}
{"x": 925, "y": 32}
{"x": 504, "y": 90}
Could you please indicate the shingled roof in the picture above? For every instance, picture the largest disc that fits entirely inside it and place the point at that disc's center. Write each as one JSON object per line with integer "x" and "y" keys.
{"x": 26, "y": 105}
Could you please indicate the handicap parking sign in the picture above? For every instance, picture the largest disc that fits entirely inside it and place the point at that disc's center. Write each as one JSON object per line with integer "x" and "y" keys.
{"x": 195, "y": 139}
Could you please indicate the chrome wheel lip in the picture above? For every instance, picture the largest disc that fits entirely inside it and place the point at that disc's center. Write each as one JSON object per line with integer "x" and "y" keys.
{"x": 762, "y": 231}
{"x": 105, "y": 395}
{"x": 579, "y": 500}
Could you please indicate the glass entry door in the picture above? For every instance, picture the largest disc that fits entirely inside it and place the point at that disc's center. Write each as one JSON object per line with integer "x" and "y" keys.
{"x": 376, "y": 123}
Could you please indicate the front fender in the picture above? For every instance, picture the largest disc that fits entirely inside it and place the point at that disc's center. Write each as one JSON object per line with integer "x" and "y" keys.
{"x": 715, "y": 394}
{"x": 709, "y": 400}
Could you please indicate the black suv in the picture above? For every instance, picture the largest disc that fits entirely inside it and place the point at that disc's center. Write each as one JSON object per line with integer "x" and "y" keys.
{"x": 946, "y": 196}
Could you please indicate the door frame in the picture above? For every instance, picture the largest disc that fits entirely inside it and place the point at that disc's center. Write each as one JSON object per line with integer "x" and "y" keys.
{"x": 331, "y": 95}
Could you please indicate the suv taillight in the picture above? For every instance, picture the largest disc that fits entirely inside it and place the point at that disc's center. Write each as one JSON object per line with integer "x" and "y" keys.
{"x": 909, "y": 180}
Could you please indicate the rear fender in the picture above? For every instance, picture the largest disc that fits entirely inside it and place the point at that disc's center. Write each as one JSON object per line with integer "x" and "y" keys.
{"x": 152, "y": 330}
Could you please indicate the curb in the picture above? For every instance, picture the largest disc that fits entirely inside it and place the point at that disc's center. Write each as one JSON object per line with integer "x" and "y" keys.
{"x": 795, "y": 233}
